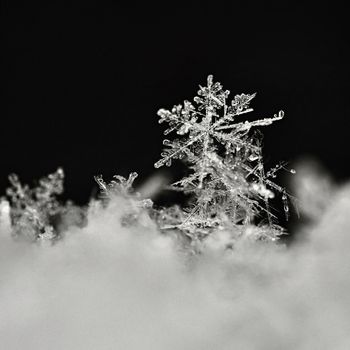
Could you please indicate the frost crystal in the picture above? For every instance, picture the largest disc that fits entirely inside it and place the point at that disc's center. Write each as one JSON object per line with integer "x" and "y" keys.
{"x": 122, "y": 188}
{"x": 34, "y": 210}
{"x": 228, "y": 182}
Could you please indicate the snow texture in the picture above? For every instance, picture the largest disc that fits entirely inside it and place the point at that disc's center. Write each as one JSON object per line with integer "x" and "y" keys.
{"x": 122, "y": 274}
{"x": 114, "y": 286}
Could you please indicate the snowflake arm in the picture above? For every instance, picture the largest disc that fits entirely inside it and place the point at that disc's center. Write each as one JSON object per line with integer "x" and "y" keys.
{"x": 248, "y": 125}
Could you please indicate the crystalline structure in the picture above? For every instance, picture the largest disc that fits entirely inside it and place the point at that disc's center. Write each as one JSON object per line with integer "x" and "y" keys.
{"x": 122, "y": 188}
{"x": 34, "y": 210}
{"x": 228, "y": 182}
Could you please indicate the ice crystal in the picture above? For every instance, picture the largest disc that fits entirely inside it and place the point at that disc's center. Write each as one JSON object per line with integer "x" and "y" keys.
{"x": 121, "y": 187}
{"x": 34, "y": 210}
{"x": 228, "y": 182}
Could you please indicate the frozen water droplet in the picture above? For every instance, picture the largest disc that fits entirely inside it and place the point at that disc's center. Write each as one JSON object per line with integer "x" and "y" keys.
{"x": 253, "y": 157}
{"x": 293, "y": 171}
{"x": 286, "y": 212}
{"x": 159, "y": 164}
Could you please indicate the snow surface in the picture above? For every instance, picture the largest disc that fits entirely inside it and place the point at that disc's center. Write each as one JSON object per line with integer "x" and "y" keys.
{"x": 106, "y": 286}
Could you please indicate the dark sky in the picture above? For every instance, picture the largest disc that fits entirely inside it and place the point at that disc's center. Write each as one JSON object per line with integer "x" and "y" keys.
{"x": 84, "y": 80}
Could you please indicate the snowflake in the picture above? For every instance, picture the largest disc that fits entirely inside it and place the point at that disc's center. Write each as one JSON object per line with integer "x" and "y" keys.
{"x": 120, "y": 187}
{"x": 228, "y": 180}
{"x": 34, "y": 210}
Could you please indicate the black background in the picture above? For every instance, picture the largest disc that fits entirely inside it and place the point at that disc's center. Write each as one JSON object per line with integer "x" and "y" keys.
{"x": 83, "y": 81}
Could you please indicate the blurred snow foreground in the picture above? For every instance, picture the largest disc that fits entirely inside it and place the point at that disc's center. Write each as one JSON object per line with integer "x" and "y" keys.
{"x": 108, "y": 285}
{"x": 122, "y": 274}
